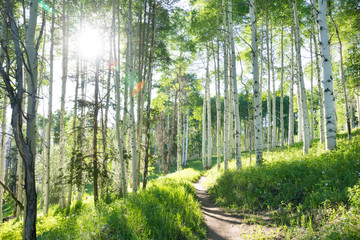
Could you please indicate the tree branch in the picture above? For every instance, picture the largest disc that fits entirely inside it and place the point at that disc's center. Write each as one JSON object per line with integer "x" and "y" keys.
{"x": 12, "y": 195}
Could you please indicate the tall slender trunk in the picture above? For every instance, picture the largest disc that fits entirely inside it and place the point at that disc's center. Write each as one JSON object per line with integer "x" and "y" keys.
{"x": 269, "y": 86}
{"x": 329, "y": 99}
{"x": 230, "y": 147}
{"x": 203, "y": 136}
{"x": 132, "y": 98}
{"x": 282, "y": 132}
{"x": 74, "y": 128}
{"x": 305, "y": 112}
{"x": 187, "y": 136}
{"x": 95, "y": 151}
{"x": 120, "y": 137}
{"x": 226, "y": 104}
{"x": 148, "y": 107}
{"x": 348, "y": 126}
{"x": 208, "y": 108}
{"x": 311, "y": 90}
{"x": 168, "y": 157}
{"x": 300, "y": 113}
{"x": 179, "y": 133}
{"x": 2, "y": 156}
{"x": 273, "y": 141}
{"x": 183, "y": 137}
{"x": 218, "y": 106}
{"x": 235, "y": 93}
{"x": 291, "y": 94}
{"x": 48, "y": 126}
{"x": 65, "y": 50}
{"x": 316, "y": 47}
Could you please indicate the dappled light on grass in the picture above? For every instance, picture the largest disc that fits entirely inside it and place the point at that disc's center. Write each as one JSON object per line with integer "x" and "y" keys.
{"x": 168, "y": 209}
{"x": 301, "y": 192}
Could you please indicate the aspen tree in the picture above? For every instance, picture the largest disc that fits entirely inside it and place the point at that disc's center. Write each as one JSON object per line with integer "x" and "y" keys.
{"x": 48, "y": 126}
{"x": 282, "y": 88}
{"x": 320, "y": 91}
{"x": 218, "y": 107}
{"x": 65, "y": 52}
{"x": 257, "y": 87}
{"x": 2, "y": 154}
{"x": 273, "y": 140}
{"x": 269, "y": 86}
{"x": 235, "y": 94}
{"x": 226, "y": 101}
{"x": 208, "y": 107}
{"x": 304, "y": 107}
{"x": 329, "y": 99}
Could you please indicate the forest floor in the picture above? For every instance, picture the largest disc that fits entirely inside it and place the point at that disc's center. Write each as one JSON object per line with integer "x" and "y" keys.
{"x": 223, "y": 225}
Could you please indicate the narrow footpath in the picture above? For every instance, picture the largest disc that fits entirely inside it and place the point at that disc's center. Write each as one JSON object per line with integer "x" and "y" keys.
{"x": 221, "y": 225}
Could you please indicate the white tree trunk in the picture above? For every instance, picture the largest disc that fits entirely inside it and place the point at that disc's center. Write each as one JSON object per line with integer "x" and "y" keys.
{"x": 291, "y": 94}
{"x": 348, "y": 126}
{"x": 179, "y": 137}
{"x": 62, "y": 202}
{"x": 48, "y": 126}
{"x": 304, "y": 107}
{"x": 312, "y": 91}
{"x": 329, "y": 99}
{"x": 187, "y": 137}
{"x": 269, "y": 86}
{"x": 226, "y": 101}
{"x": 300, "y": 116}
{"x": 273, "y": 141}
{"x": 235, "y": 94}
{"x": 282, "y": 132}
{"x": 321, "y": 105}
{"x": 2, "y": 156}
{"x": 203, "y": 145}
{"x": 208, "y": 106}
{"x": 131, "y": 96}
{"x": 218, "y": 106}
{"x": 257, "y": 87}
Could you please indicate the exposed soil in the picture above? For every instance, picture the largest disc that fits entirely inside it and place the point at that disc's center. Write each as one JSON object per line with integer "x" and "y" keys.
{"x": 222, "y": 225}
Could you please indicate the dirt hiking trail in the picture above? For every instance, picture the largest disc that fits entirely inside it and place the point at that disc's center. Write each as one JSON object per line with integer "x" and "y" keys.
{"x": 222, "y": 225}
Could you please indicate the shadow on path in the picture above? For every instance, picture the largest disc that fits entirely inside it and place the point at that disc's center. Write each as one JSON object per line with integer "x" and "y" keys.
{"x": 219, "y": 224}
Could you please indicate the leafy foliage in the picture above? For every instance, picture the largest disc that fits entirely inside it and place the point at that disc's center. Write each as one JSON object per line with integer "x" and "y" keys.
{"x": 166, "y": 210}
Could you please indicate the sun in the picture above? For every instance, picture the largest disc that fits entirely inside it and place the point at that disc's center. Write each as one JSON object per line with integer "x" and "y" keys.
{"x": 90, "y": 43}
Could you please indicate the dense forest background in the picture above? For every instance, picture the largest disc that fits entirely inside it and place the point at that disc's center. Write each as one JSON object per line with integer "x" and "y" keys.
{"x": 102, "y": 96}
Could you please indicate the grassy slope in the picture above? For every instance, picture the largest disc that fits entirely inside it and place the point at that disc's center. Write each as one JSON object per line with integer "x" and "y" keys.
{"x": 168, "y": 209}
{"x": 306, "y": 196}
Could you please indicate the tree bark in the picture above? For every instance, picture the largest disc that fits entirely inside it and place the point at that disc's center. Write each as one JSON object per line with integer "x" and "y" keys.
{"x": 226, "y": 107}
{"x": 48, "y": 126}
{"x": 321, "y": 104}
{"x": 291, "y": 94}
{"x": 273, "y": 140}
{"x": 235, "y": 93}
{"x": 269, "y": 86}
{"x": 257, "y": 87}
{"x": 148, "y": 107}
{"x": 304, "y": 107}
{"x": 2, "y": 155}
{"x": 329, "y": 99}
{"x": 282, "y": 132}
{"x": 348, "y": 126}
{"x": 62, "y": 202}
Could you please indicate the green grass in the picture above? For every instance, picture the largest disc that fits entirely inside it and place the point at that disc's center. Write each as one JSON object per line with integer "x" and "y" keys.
{"x": 167, "y": 209}
{"x": 305, "y": 195}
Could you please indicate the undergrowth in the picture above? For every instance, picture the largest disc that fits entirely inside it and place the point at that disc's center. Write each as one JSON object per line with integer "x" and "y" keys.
{"x": 316, "y": 195}
{"x": 167, "y": 209}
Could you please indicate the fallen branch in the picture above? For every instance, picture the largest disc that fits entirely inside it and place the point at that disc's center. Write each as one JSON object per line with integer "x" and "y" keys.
{"x": 12, "y": 195}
